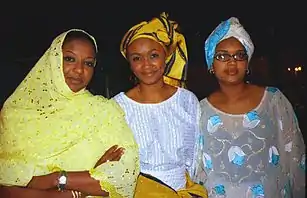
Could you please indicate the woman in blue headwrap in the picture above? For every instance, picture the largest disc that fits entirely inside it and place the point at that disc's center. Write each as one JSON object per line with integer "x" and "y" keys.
{"x": 253, "y": 146}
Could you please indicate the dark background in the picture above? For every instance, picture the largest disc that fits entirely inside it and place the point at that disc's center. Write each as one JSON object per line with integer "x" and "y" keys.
{"x": 277, "y": 29}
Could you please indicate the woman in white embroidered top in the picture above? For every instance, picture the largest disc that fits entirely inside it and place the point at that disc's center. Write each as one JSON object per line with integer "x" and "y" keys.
{"x": 163, "y": 116}
{"x": 253, "y": 145}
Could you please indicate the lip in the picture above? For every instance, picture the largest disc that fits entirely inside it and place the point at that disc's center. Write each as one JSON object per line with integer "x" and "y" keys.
{"x": 232, "y": 72}
{"x": 148, "y": 74}
{"x": 75, "y": 80}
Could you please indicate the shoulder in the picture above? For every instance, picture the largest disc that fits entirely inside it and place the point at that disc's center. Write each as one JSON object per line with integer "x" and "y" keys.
{"x": 118, "y": 96}
{"x": 257, "y": 89}
{"x": 188, "y": 95}
{"x": 122, "y": 101}
{"x": 214, "y": 97}
{"x": 273, "y": 90}
{"x": 111, "y": 106}
{"x": 203, "y": 102}
{"x": 255, "y": 93}
{"x": 277, "y": 97}
{"x": 188, "y": 101}
{"x": 274, "y": 94}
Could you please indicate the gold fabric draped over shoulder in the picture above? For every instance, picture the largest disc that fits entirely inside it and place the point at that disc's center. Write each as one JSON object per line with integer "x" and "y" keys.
{"x": 165, "y": 32}
{"x": 45, "y": 127}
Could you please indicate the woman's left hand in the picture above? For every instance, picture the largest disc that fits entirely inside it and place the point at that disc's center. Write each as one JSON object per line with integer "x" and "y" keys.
{"x": 112, "y": 154}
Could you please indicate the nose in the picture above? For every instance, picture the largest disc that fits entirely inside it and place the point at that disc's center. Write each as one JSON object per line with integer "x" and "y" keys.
{"x": 79, "y": 67}
{"x": 146, "y": 62}
{"x": 232, "y": 61}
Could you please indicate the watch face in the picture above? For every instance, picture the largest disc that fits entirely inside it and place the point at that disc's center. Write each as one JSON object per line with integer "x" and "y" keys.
{"x": 62, "y": 180}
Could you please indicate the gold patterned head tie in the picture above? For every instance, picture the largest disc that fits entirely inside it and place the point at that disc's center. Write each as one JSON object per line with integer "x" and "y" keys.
{"x": 165, "y": 32}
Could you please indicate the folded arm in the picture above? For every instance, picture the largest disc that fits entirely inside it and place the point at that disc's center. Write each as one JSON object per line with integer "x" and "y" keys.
{"x": 21, "y": 192}
{"x": 80, "y": 181}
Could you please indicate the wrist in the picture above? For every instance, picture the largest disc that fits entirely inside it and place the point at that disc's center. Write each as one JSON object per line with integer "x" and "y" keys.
{"x": 55, "y": 179}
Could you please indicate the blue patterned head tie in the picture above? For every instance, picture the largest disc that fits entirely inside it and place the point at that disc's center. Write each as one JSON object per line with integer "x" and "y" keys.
{"x": 227, "y": 29}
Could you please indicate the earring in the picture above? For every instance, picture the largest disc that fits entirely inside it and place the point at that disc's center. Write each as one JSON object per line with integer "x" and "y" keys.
{"x": 247, "y": 71}
{"x": 211, "y": 71}
{"x": 134, "y": 79}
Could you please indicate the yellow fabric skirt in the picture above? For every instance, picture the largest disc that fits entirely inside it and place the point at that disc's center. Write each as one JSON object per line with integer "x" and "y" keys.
{"x": 149, "y": 187}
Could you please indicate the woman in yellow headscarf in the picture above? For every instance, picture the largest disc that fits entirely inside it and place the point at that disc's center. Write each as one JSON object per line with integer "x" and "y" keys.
{"x": 163, "y": 116}
{"x": 51, "y": 124}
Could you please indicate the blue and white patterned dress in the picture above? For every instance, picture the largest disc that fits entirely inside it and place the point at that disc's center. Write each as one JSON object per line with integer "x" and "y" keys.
{"x": 257, "y": 154}
{"x": 166, "y": 133}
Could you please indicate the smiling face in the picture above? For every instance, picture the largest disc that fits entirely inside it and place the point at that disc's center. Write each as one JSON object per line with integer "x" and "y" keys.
{"x": 79, "y": 59}
{"x": 147, "y": 60}
{"x": 230, "y": 62}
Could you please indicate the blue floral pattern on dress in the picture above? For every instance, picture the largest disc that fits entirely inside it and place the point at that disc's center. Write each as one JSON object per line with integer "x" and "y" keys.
{"x": 303, "y": 162}
{"x": 285, "y": 192}
{"x": 208, "y": 161}
{"x": 219, "y": 189}
{"x": 238, "y": 160}
{"x": 273, "y": 155}
{"x": 213, "y": 123}
{"x": 251, "y": 119}
{"x": 257, "y": 191}
{"x": 272, "y": 89}
{"x": 236, "y": 155}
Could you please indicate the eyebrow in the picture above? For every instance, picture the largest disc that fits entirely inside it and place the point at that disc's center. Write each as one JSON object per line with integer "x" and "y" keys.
{"x": 221, "y": 51}
{"x": 241, "y": 50}
{"x": 76, "y": 54}
{"x": 69, "y": 51}
{"x": 135, "y": 53}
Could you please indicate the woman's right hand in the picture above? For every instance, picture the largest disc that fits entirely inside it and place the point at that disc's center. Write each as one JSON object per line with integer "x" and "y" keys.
{"x": 112, "y": 154}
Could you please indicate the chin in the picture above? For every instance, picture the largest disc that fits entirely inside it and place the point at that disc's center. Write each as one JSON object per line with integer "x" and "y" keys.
{"x": 149, "y": 81}
{"x": 75, "y": 89}
{"x": 231, "y": 80}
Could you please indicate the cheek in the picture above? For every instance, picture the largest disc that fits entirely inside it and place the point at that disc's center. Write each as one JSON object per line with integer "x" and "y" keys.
{"x": 88, "y": 73}
{"x": 218, "y": 68}
{"x": 242, "y": 66}
{"x": 66, "y": 68}
{"x": 135, "y": 67}
{"x": 160, "y": 63}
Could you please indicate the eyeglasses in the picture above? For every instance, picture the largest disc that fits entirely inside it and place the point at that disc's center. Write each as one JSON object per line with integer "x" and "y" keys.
{"x": 224, "y": 57}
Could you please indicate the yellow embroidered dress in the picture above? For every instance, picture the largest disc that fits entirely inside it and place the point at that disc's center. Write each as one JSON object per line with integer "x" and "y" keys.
{"x": 44, "y": 127}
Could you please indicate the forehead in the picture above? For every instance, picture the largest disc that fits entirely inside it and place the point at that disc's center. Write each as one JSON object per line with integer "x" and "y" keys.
{"x": 144, "y": 44}
{"x": 78, "y": 42}
{"x": 230, "y": 44}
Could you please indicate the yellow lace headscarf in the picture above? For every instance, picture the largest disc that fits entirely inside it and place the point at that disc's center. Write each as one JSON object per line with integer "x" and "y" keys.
{"x": 165, "y": 32}
{"x": 45, "y": 127}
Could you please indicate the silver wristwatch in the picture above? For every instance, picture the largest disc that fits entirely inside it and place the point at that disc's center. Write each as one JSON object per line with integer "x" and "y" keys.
{"x": 62, "y": 181}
